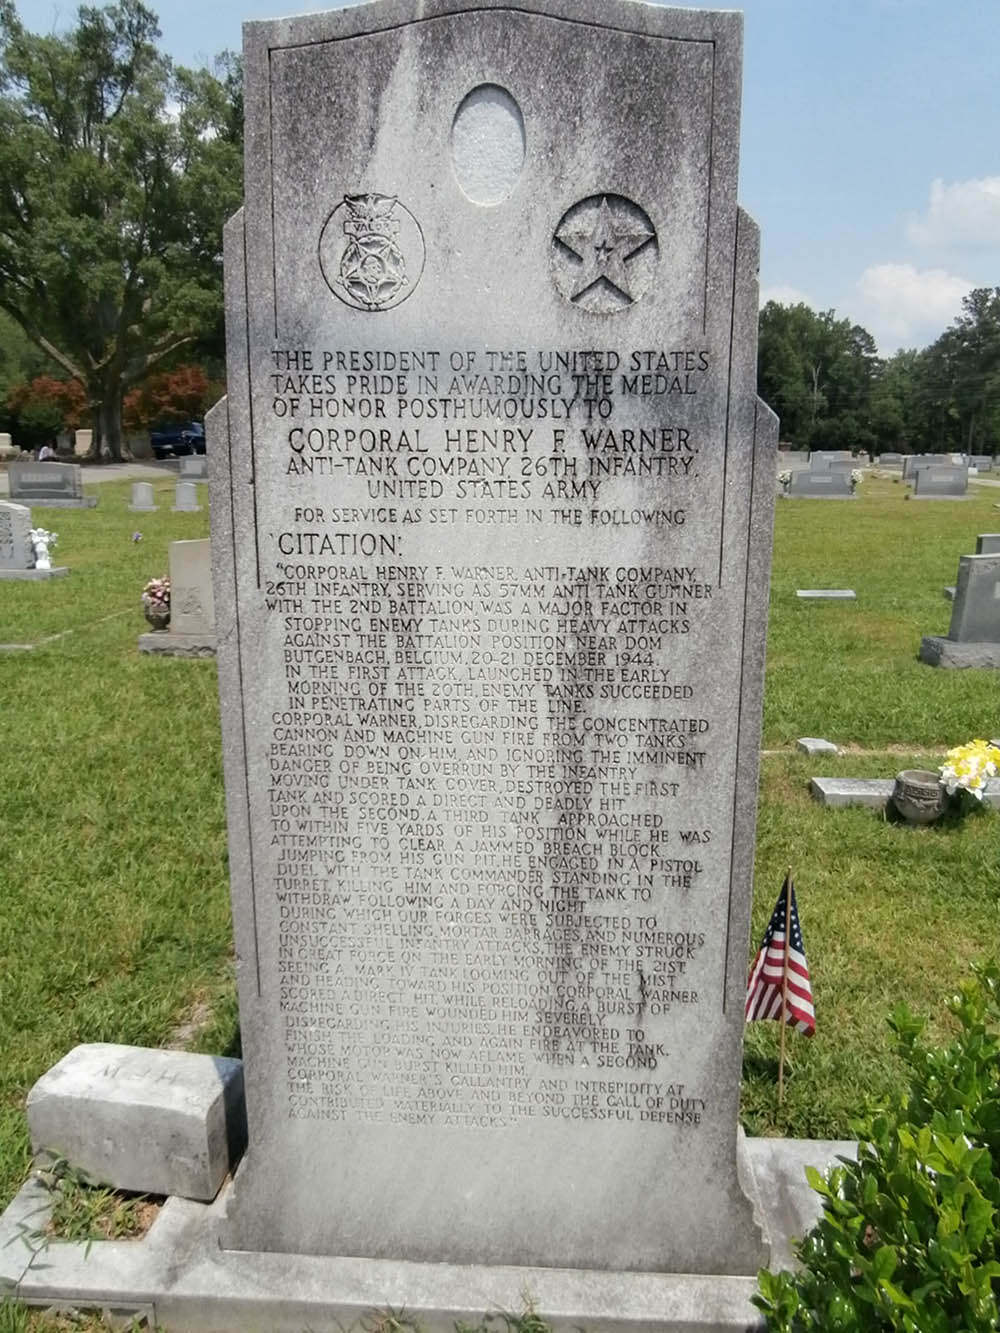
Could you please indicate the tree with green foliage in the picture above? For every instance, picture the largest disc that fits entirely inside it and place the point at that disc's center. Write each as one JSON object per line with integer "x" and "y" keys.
{"x": 117, "y": 173}
{"x": 817, "y": 372}
{"x": 960, "y": 379}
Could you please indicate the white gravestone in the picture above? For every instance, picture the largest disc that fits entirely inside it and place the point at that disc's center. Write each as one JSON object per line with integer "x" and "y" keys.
{"x": 186, "y": 498}
{"x": 143, "y": 499}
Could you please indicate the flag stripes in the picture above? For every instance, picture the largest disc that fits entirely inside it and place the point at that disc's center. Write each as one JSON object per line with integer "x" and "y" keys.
{"x": 766, "y": 987}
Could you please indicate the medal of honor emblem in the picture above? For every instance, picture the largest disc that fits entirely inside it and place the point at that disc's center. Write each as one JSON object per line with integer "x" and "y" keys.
{"x": 371, "y": 251}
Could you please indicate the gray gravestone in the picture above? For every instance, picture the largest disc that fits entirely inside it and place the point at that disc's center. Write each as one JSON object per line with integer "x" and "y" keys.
{"x": 191, "y": 632}
{"x": 491, "y": 518}
{"x": 981, "y": 462}
{"x": 143, "y": 500}
{"x": 17, "y": 553}
{"x": 829, "y": 456}
{"x": 186, "y": 498}
{"x": 974, "y": 634}
{"x": 988, "y": 543}
{"x": 941, "y": 481}
{"x": 890, "y": 460}
{"x": 48, "y": 485}
{"x": 194, "y": 467}
{"x": 820, "y": 485}
{"x": 913, "y": 462}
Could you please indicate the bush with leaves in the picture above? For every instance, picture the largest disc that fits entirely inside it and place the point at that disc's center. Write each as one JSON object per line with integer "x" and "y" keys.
{"x": 909, "y": 1237}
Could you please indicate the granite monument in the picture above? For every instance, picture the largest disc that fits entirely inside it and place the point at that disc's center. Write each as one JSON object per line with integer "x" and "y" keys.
{"x": 491, "y": 522}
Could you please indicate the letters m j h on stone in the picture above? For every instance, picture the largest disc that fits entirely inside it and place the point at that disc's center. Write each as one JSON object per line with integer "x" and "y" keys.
{"x": 491, "y": 506}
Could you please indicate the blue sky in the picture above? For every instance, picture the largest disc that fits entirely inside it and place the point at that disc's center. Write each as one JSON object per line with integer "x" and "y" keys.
{"x": 871, "y": 145}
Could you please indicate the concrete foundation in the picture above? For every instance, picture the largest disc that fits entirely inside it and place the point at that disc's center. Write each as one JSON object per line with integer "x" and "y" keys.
{"x": 178, "y": 1277}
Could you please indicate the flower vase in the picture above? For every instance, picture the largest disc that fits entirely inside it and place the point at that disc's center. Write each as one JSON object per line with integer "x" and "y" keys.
{"x": 158, "y": 616}
{"x": 918, "y": 796}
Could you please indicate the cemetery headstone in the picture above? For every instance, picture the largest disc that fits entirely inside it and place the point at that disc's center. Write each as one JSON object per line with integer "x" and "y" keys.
{"x": 941, "y": 481}
{"x": 891, "y": 460}
{"x": 82, "y": 440}
{"x": 974, "y": 634}
{"x": 981, "y": 462}
{"x": 912, "y": 462}
{"x": 186, "y": 498}
{"x": 826, "y": 594}
{"x": 820, "y": 485}
{"x": 491, "y": 518}
{"x": 143, "y": 499}
{"x": 829, "y": 456}
{"x": 17, "y": 554}
{"x": 988, "y": 543}
{"x": 194, "y": 466}
{"x": 49, "y": 485}
{"x": 191, "y": 632}
{"x": 7, "y": 449}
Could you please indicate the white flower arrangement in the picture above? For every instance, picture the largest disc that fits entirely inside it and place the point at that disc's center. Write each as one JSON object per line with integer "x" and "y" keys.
{"x": 856, "y": 476}
{"x": 969, "y": 768}
{"x": 785, "y": 476}
{"x": 156, "y": 595}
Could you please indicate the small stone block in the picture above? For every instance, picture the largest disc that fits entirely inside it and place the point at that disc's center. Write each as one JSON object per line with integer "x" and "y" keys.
{"x": 815, "y": 745}
{"x": 839, "y": 792}
{"x": 58, "y": 572}
{"x": 938, "y": 651}
{"x": 949, "y": 592}
{"x": 827, "y": 594}
{"x": 158, "y": 1122}
{"x": 165, "y": 644}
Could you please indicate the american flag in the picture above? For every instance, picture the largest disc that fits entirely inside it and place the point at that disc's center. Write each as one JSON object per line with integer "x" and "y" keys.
{"x": 765, "y": 987}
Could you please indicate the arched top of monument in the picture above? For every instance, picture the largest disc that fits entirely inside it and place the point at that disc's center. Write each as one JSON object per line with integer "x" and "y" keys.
{"x": 723, "y": 27}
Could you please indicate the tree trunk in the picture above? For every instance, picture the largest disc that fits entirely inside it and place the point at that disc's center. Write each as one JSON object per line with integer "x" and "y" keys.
{"x": 110, "y": 413}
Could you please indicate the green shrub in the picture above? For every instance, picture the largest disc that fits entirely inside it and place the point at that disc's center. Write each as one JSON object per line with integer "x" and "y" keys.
{"x": 909, "y": 1236}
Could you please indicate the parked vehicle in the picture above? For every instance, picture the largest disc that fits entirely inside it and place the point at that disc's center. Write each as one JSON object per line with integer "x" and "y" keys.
{"x": 187, "y": 437}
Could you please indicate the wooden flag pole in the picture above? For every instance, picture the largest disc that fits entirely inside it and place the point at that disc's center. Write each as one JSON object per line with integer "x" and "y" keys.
{"x": 783, "y": 1016}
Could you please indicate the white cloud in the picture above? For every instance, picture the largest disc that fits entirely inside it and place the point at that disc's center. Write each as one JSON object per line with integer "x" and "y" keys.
{"x": 964, "y": 215}
{"x": 784, "y": 295}
{"x": 902, "y": 306}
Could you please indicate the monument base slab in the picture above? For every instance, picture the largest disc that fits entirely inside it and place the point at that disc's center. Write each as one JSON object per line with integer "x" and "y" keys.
{"x": 58, "y": 572}
{"x": 179, "y": 1278}
{"x": 87, "y": 502}
{"x": 167, "y": 644}
{"x": 938, "y": 651}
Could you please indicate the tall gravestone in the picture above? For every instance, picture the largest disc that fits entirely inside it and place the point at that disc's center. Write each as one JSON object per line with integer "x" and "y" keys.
{"x": 191, "y": 632}
{"x": 492, "y": 504}
{"x": 973, "y": 638}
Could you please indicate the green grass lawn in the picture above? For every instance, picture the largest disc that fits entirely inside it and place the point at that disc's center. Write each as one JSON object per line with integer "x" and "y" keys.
{"x": 115, "y": 922}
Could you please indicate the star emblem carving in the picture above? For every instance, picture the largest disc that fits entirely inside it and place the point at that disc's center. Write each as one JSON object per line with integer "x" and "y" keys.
{"x": 604, "y": 243}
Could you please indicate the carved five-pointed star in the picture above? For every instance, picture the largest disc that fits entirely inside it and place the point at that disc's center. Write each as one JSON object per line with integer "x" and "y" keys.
{"x": 604, "y": 246}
